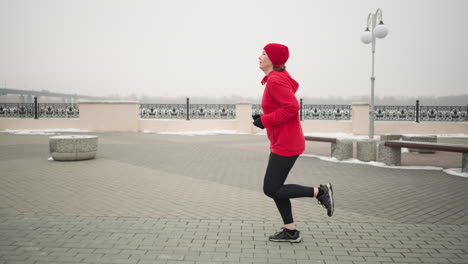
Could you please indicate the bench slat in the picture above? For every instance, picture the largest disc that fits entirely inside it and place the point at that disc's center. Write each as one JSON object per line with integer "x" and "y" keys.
{"x": 429, "y": 146}
{"x": 321, "y": 139}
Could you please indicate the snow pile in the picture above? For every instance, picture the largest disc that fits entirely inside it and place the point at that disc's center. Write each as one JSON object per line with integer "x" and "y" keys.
{"x": 440, "y": 135}
{"x": 41, "y": 131}
{"x": 454, "y": 171}
{"x": 73, "y": 137}
{"x": 200, "y": 133}
{"x": 339, "y": 136}
{"x": 356, "y": 137}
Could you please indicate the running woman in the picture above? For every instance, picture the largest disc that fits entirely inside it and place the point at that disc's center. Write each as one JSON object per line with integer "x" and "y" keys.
{"x": 284, "y": 130}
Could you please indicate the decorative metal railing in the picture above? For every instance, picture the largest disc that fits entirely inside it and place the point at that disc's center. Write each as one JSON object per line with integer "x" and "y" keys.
{"x": 317, "y": 112}
{"x": 39, "y": 110}
{"x": 163, "y": 111}
{"x": 22, "y": 110}
{"x": 395, "y": 113}
{"x": 49, "y": 110}
{"x": 212, "y": 111}
{"x": 326, "y": 112}
{"x": 421, "y": 113}
{"x": 228, "y": 111}
{"x": 257, "y": 109}
{"x": 443, "y": 113}
{"x": 188, "y": 111}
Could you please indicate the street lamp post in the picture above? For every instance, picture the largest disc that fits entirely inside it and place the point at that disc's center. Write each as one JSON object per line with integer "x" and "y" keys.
{"x": 369, "y": 36}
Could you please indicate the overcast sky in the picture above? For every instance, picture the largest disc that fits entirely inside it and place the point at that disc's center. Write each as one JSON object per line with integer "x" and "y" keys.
{"x": 211, "y": 47}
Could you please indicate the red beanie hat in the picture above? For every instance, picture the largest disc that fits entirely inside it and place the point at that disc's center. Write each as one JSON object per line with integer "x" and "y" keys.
{"x": 277, "y": 53}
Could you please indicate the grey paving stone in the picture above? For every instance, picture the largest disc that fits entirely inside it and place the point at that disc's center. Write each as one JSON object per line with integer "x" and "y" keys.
{"x": 123, "y": 207}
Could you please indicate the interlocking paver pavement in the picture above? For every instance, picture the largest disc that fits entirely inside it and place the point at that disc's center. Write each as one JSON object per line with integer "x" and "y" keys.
{"x": 151, "y": 198}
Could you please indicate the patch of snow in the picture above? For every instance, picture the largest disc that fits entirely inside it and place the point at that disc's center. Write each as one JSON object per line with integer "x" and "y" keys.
{"x": 351, "y": 136}
{"x": 454, "y": 171}
{"x": 339, "y": 136}
{"x": 41, "y": 131}
{"x": 73, "y": 136}
{"x": 200, "y": 133}
{"x": 50, "y": 159}
{"x": 453, "y": 135}
{"x": 372, "y": 163}
{"x": 439, "y": 135}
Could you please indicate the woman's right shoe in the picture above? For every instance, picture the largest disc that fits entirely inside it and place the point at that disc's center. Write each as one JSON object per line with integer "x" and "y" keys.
{"x": 326, "y": 199}
{"x": 284, "y": 236}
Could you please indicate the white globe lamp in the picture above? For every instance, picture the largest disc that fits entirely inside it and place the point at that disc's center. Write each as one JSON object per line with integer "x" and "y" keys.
{"x": 381, "y": 31}
{"x": 366, "y": 36}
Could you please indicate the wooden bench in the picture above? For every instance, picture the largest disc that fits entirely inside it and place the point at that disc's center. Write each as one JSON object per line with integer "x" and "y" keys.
{"x": 420, "y": 138}
{"x": 341, "y": 149}
{"x": 321, "y": 139}
{"x": 390, "y": 151}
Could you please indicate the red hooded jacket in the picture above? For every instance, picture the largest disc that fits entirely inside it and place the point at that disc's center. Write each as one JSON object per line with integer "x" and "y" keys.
{"x": 281, "y": 114}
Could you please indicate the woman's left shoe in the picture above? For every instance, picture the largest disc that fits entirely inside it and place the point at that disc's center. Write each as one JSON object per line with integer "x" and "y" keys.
{"x": 284, "y": 236}
{"x": 326, "y": 199}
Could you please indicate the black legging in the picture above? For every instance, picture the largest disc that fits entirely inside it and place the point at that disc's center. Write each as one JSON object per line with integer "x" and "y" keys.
{"x": 274, "y": 187}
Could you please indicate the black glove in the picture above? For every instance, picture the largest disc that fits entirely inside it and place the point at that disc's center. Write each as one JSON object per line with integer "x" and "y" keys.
{"x": 258, "y": 123}
{"x": 255, "y": 117}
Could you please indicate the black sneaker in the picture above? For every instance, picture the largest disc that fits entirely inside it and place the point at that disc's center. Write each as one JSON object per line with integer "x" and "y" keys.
{"x": 284, "y": 236}
{"x": 326, "y": 199}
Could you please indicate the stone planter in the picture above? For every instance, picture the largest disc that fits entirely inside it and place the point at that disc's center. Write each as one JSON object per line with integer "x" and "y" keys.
{"x": 388, "y": 155}
{"x": 73, "y": 147}
{"x": 342, "y": 149}
{"x": 465, "y": 162}
{"x": 387, "y": 137}
{"x": 366, "y": 149}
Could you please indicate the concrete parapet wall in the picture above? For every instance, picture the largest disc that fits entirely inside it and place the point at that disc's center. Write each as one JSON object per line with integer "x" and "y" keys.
{"x": 243, "y": 123}
{"x": 388, "y": 127}
{"x": 23, "y": 123}
{"x": 360, "y": 118}
{"x": 125, "y": 116}
{"x": 109, "y": 116}
{"x": 327, "y": 126}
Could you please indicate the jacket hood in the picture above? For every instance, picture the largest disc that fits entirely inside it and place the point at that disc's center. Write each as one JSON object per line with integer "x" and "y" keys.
{"x": 283, "y": 76}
